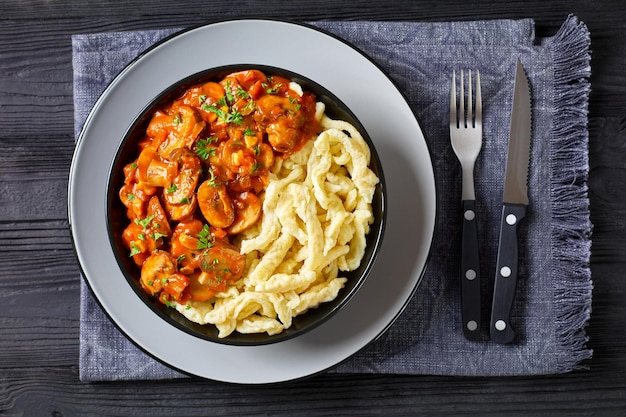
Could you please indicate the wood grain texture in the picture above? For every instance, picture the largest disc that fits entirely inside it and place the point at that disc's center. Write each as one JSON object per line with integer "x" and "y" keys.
{"x": 40, "y": 278}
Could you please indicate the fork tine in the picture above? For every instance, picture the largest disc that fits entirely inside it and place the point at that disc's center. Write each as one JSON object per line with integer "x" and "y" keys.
{"x": 470, "y": 118}
{"x": 453, "y": 121}
{"x": 473, "y": 116}
{"x": 479, "y": 103}
{"x": 462, "y": 119}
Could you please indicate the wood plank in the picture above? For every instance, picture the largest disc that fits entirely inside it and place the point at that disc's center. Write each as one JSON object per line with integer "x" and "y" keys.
{"x": 32, "y": 9}
{"x": 39, "y": 392}
{"x": 35, "y": 70}
{"x": 39, "y": 275}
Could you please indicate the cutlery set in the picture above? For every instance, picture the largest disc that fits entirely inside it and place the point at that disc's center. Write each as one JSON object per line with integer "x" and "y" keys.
{"x": 466, "y": 140}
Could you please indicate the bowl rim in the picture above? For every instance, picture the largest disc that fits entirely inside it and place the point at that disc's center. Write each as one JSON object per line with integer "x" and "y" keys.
{"x": 208, "y": 332}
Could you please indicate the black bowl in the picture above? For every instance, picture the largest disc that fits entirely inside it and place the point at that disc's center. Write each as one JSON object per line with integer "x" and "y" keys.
{"x": 117, "y": 220}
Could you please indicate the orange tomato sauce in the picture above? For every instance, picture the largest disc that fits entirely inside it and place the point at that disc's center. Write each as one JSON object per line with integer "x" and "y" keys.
{"x": 198, "y": 177}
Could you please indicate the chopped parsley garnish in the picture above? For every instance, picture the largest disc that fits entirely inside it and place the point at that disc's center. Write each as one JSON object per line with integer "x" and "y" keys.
{"x": 205, "y": 265}
{"x": 144, "y": 222}
{"x": 233, "y": 117}
{"x": 274, "y": 89}
{"x": 171, "y": 189}
{"x": 184, "y": 200}
{"x": 229, "y": 94}
{"x": 178, "y": 119}
{"x": 223, "y": 109}
{"x": 131, "y": 197}
{"x": 249, "y": 132}
{"x": 212, "y": 178}
{"x": 134, "y": 250}
{"x": 205, "y": 240}
{"x": 203, "y": 148}
{"x": 157, "y": 235}
{"x": 249, "y": 107}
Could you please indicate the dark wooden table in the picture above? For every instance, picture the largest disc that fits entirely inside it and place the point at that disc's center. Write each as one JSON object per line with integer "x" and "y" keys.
{"x": 39, "y": 275}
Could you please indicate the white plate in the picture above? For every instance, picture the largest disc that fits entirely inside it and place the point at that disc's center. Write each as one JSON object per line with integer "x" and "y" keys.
{"x": 376, "y": 102}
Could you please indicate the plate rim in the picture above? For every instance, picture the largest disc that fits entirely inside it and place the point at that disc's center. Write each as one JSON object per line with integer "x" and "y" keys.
{"x": 128, "y": 67}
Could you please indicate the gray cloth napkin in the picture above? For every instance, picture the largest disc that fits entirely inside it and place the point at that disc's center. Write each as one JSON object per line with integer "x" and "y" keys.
{"x": 553, "y": 300}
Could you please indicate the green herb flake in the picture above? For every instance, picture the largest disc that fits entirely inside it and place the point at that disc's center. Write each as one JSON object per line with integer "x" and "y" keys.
{"x": 157, "y": 235}
{"x": 204, "y": 149}
{"x": 134, "y": 250}
{"x": 144, "y": 222}
{"x": 229, "y": 94}
{"x": 235, "y": 117}
{"x": 274, "y": 89}
{"x": 219, "y": 112}
{"x": 205, "y": 240}
{"x": 212, "y": 179}
{"x": 249, "y": 107}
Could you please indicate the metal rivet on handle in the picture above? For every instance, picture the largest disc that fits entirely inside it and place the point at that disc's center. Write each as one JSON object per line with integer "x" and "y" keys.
{"x": 511, "y": 219}
{"x": 500, "y": 325}
{"x": 505, "y": 271}
{"x": 470, "y": 274}
{"x": 472, "y": 325}
{"x": 469, "y": 215}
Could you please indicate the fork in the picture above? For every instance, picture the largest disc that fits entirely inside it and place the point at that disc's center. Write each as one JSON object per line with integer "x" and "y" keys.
{"x": 466, "y": 137}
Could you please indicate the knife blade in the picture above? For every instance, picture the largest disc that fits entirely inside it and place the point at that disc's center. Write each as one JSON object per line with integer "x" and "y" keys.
{"x": 514, "y": 207}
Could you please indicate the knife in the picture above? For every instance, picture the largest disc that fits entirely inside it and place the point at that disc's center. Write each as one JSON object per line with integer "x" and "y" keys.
{"x": 514, "y": 206}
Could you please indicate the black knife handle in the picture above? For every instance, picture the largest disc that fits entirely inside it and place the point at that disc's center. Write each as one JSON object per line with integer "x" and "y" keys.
{"x": 470, "y": 273}
{"x": 506, "y": 274}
